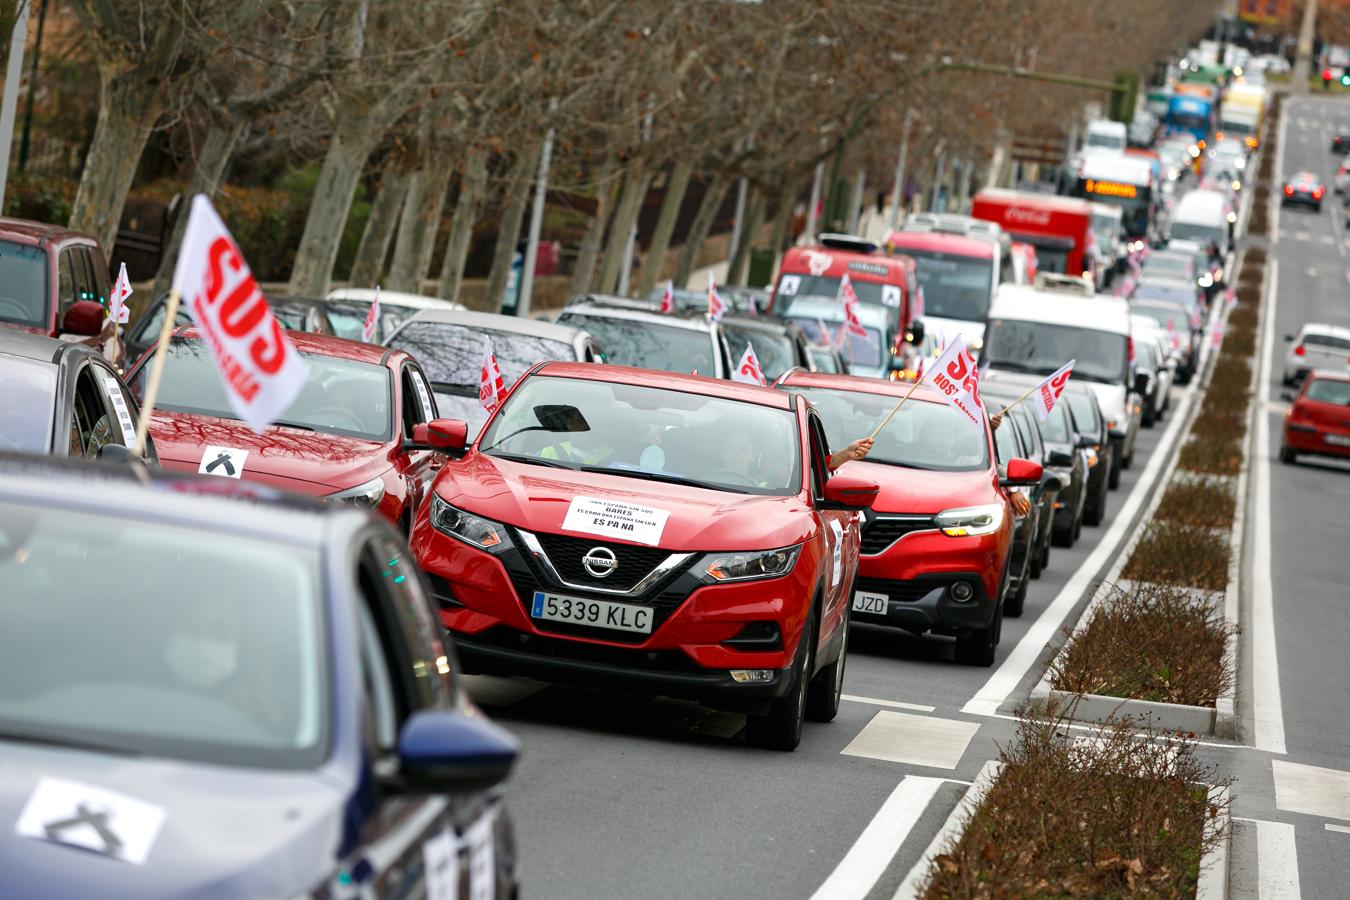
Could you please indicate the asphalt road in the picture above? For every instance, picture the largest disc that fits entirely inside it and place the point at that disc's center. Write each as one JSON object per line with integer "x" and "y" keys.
{"x": 623, "y": 796}
{"x": 1293, "y": 785}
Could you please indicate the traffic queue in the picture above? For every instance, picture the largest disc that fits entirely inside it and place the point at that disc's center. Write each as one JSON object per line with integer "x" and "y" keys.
{"x": 311, "y": 518}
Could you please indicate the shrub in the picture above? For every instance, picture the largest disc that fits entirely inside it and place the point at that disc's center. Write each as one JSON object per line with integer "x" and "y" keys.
{"x": 1242, "y": 316}
{"x": 1248, "y": 295}
{"x": 1199, "y": 503}
{"x": 1256, "y": 255}
{"x": 1180, "y": 555}
{"x": 1102, "y": 815}
{"x": 41, "y": 198}
{"x": 1240, "y": 341}
{"x": 1212, "y": 457}
{"x": 1221, "y": 421}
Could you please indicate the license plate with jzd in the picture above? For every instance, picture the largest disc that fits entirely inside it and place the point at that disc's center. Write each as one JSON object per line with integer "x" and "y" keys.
{"x": 596, "y": 613}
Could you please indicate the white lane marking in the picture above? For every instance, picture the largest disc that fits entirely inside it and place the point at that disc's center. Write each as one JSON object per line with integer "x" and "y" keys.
{"x": 913, "y": 740}
{"x": 1312, "y": 273}
{"x": 1267, "y": 703}
{"x": 1028, "y": 650}
{"x": 1326, "y": 238}
{"x": 1302, "y": 236}
{"x": 1311, "y": 789}
{"x": 893, "y": 704}
{"x": 949, "y": 833}
{"x": 1276, "y": 861}
{"x": 866, "y": 860}
{"x": 1339, "y": 239}
{"x": 1343, "y": 829}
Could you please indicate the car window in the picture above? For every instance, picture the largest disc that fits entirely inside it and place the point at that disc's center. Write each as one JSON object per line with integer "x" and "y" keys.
{"x": 147, "y": 330}
{"x": 91, "y": 283}
{"x": 921, "y": 436}
{"x": 1327, "y": 340}
{"x": 775, "y": 352}
{"x": 1328, "y": 390}
{"x": 452, "y": 355}
{"x": 27, "y": 404}
{"x": 1005, "y": 443}
{"x": 1056, "y": 427}
{"x": 91, "y": 423}
{"x": 820, "y": 454}
{"x": 1084, "y": 413}
{"x": 1042, "y": 347}
{"x": 115, "y": 400}
{"x": 23, "y": 284}
{"x": 424, "y": 394}
{"x": 98, "y": 267}
{"x": 67, "y": 288}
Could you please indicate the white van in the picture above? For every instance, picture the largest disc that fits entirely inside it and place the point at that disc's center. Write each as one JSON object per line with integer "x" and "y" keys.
{"x": 1031, "y": 333}
{"x": 1203, "y": 216}
{"x": 1105, "y": 136}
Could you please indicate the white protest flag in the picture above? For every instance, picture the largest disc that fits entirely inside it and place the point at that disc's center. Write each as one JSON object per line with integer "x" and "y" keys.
{"x": 850, "y": 299}
{"x": 717, "y": 307}
{"x": 668, "y": 298}
{"x": 117, "y": 303}
{"x": 747, "y": 371}
{"x": 261, "y": 369}
{"x": 955, "y": 375}
{"x": 1048, "y": 392}
{"x": 371, "y": 326}
{"x": 491, "y": 386}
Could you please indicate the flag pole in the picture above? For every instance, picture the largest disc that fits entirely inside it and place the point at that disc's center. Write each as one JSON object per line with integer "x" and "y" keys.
{"x": 1029, "y": 392}
{"x": 156, "y": 371}
{"x": 895, "y": 410}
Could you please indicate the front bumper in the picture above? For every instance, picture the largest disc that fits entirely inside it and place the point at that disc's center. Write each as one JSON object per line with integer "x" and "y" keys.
{"x": 926, "y": 604}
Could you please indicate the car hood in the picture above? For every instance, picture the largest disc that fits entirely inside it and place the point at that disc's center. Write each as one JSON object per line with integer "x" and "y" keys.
{"x": 537, "y": 498}
{"x": 308, "y": 462}
{"x": 226, "y": 832}
{"x": 972, "y": 333}
{"x": 923, "y": 491}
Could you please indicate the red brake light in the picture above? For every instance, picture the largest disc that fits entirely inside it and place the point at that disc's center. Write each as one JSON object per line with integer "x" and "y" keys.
{"x": 1317, "y": 194}
{"x": 1129, "y": 341}
{"x": 1298, "y": 351}
{"x": 1289, "y": 190}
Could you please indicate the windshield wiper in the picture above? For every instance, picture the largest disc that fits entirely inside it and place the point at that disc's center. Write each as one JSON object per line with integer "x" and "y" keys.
{"x": 1088, "y": 376}
{"x": 533, "y": 460}
{"x": 66, "y": 742}
{"x": 296, "y": 425}
{"x": 663, "y": 476}
{"x": 898, "y": 464}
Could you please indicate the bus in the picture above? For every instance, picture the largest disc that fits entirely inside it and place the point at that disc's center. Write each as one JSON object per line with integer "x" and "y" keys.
{"x": 1190, "y": 115}
{"x": 1126, "y": 182}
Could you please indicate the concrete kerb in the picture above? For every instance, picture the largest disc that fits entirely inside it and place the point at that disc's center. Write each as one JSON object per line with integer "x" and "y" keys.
{"x": 1213, "y": 881}
{"x": 950, "y": 832}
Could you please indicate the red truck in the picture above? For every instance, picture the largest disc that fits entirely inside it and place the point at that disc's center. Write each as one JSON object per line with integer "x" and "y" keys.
{"x": 53, "y": 281}
{"x": 1060, "y": 228}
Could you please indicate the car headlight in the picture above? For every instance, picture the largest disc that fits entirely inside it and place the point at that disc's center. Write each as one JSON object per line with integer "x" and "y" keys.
{"x": 476, "y": 531}
{"x": 719, "y": 568}
{"x": 363, "y": 496}
{"x": 970, "y": 521}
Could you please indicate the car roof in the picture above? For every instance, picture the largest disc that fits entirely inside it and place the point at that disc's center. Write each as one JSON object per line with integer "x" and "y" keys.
{"x": 512, "y": 324}
{"x": 1201, "y": 201}
{"x": 1323, "y": 328}
{"x": 322, "y": 345}
{"x": 393, "y": 298}
{"x": 133, "y": 491}
{"x": 673, "y": 381}
{"x": 1129, "y": 169}
{"x": 37, "y": 347}
{"x": 1328, "y": 375}
{"x": 862, "y": 385}
{"x": 30, "y": 232}
{"x": 687, "y": 319}
{"x": 1023, "y": 302}
{"x": 939, "y": 242}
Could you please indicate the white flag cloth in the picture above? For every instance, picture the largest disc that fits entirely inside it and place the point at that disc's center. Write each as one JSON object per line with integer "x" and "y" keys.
{"x": 954, "y": 374}
{"x": 117, "y": 303}
{"x": 260, "y": 367}
{"x": 668, "y": 299}
{"x": 490, "y": 384}
{"x": 716, "y": 306}
{"x": 371, "y": 326}
{"x": 747, "y": 371}
{"x": 850, "y": 297}
{"x": 1048, "y": 392}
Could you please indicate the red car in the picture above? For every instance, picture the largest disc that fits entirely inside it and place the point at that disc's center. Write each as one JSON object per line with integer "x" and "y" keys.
{"x": 358, "y": 431}
{"x": 651, "y": 531}
{"x": 937, "y": 545}
{"x": 1318, "y": 422}
{"x": 56, "y": 280}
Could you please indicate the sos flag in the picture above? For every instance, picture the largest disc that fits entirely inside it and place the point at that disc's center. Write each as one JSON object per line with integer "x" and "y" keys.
{"x": 372, "y": 323}
{"x": 1048, "y": 392}
{"x": 747, "y": 371}
{"x": 851, "y": 322}
{"x": 260, "y": 367}
{"x": 955, "y": 375}
{"x": 490, "y": 384}
{"x": 668, "y": 299}
{"x": 717, "y": 307}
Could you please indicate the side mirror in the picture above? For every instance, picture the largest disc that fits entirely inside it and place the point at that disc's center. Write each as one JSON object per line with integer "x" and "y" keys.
{"x": 1023, "y": 473}
{"x": 916, "y": 331}
{"x": 1141, "y": 380}
{"x": 116, "y": 453}
{"x": 850, "y": 493}
{"x": 440, "y": 434}
{"x": 1061, "y": 459}
{"x": 1289, "y": 337}
{"x": 442, "y": 751}
{"x": 84, "y": 317}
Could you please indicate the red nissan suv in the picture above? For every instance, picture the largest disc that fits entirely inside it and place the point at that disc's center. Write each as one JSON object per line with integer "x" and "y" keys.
{"x": 936, "y": 545}
{"x": 650, "y": 531}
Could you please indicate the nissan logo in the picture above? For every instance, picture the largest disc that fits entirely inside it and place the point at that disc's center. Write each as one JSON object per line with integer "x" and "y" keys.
{"x": 600, "y": 561}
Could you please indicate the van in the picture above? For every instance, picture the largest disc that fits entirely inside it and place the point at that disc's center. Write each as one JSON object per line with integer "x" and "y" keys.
{"x": 1203, "y": 216}
{"x": 1105, "y": 136}
{"x": 1033, "y": 332}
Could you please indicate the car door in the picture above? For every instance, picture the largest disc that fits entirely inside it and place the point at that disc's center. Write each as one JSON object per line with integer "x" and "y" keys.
{"x": 91, "y": 422}
{"x": 838, "y": 528}
{"x": 418, "y": 467}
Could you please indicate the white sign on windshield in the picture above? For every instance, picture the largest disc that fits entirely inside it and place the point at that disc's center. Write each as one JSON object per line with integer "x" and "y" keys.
{"x": 607, "y": 518}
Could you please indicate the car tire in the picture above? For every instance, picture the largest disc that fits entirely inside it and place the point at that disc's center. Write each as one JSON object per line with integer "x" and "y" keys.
{"x": 1287, "y": 455}
{"x": 1062, "y": 537}
{"x": 1034, "y": 567}
{"x": 1045, "y": 554}
{"x": 1014, "y": 605}
{"x": 1113, "y": 476}
{"x": 827, "y": 688}
{"x": 1148, "y": 417}
{"x": 781, "y": 727}
{"x": 977, "y": 648}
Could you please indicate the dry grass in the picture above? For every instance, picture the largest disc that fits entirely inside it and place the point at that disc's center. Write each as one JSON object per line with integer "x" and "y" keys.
{"x": 1106, "y": 816}
{"x": 1230, "y": 370}
{"x": 1240, "y": 341}
{"x": 1198, "y": 504}
{"x": 1255, "y": 255}
{"x": 1221, "y": 422}
{"x": 1242, "y": 316}
{"x": 1181, "y": 556}
{"x": 1248, "y": 295}
{"x": 1211, "y": 457}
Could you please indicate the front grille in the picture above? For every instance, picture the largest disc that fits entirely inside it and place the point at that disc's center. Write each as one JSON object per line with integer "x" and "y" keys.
{"x": 900, "y": 591}
{"x": 634, "y": 563}
{"x": 882, "y": 531}
{"x": 561, "y": 648}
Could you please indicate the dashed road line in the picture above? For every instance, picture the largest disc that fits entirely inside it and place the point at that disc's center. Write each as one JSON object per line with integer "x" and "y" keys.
{"x": 1313, "y": 790}
{"x": 1276, "y": 861}
{"x": 893, "y": 704}
{"x": 1343, "y": 829}
{"x": 913, "y": 740}
{"x": 949, "y": 833}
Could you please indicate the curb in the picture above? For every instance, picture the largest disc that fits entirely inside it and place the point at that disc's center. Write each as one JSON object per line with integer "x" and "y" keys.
{"x": 1213, "y": 881}
{"x": 950, "y": 832}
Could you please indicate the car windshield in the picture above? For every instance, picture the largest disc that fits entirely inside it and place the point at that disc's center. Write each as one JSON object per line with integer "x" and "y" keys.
{"x": 27, "y": 404}
{"x": 921, "y": 436}
{"x": 340, "y": 396}
{"x": 1328, "y": 390}
{"x": 649, "y": 433}
{"x": 191, "y": 644}
{"x": 1168, "y": 266}
{"x": 1155, "y": 291}
{"x": 1104, "y": 230}
{"x": 954, "y": 287}
{"x": 1327, "y": 340}
{"x": 647, "y": 344}
{"x": 858, "y": 350}
{"x": 1170, "y": 317}
{"x": 1144, "y": 355}
{"x": 796, "y": 286}
{"x": 823, "y": 359}
{"x": 1101, "y": 139}
{"x": 1201, "y": 234}
{"x": 775, "y": 352}
{"x": 1041, "y": 348}
{"x": 349, "y": 317}
{"x": 23, "y": 284}
{"x": 1193, "y": 122}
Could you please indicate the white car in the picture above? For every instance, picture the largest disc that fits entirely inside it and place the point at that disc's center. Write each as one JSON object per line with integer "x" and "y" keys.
{"x": 347, "y": 308}
{"x": 1340, "y": 182}
{"x": 1316, "y": 346}
{"x": 1153, "y": 356}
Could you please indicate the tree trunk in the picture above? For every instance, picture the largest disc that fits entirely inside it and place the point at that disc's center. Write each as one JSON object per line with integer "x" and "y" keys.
{"x": 514, "y": 198}
{"x": 333, "y": 193}
{"x": 128, "y": 107}
{"x": 213, "y": 157}
{"x": 754, "y": 217}
{"x": 782, "y": 218}
{"x": 418, "y": 226}
{"x": 625, "y": 215}
{"x": 368, "y": 267}
{"x": 699, "y": 228}
{"x": 472, "y": 187}
{"x": 584, "y": 275}
{"x": 676, "y": 186}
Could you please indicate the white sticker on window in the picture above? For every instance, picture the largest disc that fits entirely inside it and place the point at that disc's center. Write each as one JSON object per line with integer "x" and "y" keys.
{"x": 480, "y": 840}
{"x": 440, "y": 857}
{"x": 608, "y": 518}
{"x": 91, "y": 818}
{"x": 788, "y": 285}
{"x": 119, "y": 402}
{"x": 838, "y": 556}
{"x": 890, "y": 295}
{"x": 422, "y": 394}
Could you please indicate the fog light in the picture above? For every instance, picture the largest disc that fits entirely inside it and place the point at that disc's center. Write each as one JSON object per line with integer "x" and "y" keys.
{"x": 962, "y": 591}
{"x": 751, "y": 676}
